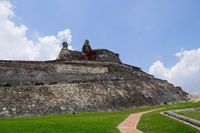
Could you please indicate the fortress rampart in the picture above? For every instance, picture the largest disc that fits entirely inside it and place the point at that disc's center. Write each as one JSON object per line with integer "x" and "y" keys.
{"x": 101, "y": 55}
{"x": 90, "y": 80}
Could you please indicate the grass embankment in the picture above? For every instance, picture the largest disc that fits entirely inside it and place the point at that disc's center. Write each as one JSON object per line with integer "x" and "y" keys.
{"x": 154, "y": 122}
{"x": 191, "y": 114}
{"x": 96, "y": 122}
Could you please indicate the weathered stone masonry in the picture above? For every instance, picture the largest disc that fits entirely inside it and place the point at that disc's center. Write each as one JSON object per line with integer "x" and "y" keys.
{"x": 93, "y": 80}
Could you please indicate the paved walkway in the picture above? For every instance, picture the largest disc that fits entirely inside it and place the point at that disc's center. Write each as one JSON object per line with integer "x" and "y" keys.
{"x": 129, "y": 125}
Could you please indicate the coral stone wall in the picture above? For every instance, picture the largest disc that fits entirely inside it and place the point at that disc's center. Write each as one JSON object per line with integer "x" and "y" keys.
{"x": 101, "y": 55}
{"x": 53, "y": 87}
{"x": 107, "y": 56}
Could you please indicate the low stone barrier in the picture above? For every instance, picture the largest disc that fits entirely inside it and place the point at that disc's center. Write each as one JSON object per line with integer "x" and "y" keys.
{"x": 187, "y": 110}
{"x": 183, "y": 118}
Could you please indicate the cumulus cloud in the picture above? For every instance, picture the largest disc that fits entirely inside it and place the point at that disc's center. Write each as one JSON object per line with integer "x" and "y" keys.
{"x": 15, "y": 45}
{"x": 185, "y": 73}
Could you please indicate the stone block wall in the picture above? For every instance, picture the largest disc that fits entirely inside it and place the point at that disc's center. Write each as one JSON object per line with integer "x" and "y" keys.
{"x": 101, "y": 55}
{"x": 53, "y": 87}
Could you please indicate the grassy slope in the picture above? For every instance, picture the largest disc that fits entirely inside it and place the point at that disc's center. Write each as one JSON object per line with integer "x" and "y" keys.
{"x": 98, "y": 122}
{"x": 156, "y": 123}
{"x": 193, "y": 115}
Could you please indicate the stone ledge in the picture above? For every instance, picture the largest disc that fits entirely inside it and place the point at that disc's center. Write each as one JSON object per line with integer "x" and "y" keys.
{"x": 191, "y": 121}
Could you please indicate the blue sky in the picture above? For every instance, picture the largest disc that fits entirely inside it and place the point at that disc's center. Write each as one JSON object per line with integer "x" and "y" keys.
{"x": 141, "y": 31}
{"x": 160, "y": 36}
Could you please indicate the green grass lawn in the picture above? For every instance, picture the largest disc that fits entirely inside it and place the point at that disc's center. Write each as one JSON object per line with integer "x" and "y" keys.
{"x": 156, "y": 123}
{"x": 190, "y": 114}
{"x": 97, "y": 122}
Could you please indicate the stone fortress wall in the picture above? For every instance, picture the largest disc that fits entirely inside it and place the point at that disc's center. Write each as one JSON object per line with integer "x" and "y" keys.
{"x": 14, "y": 73}
{"x": 69, "y": 85}
{"x": 101, "y": 55}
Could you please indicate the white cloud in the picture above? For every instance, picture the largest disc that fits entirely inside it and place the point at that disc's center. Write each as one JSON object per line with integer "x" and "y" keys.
{"x": 185, "y": 73}
{"x": 15, "y": 45}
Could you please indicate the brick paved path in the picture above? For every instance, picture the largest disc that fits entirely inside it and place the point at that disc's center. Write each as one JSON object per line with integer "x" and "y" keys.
{"x": 129, "y": 125}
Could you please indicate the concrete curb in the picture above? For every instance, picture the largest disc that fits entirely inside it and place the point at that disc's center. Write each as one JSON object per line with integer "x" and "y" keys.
{"x": 186, "y": 120}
